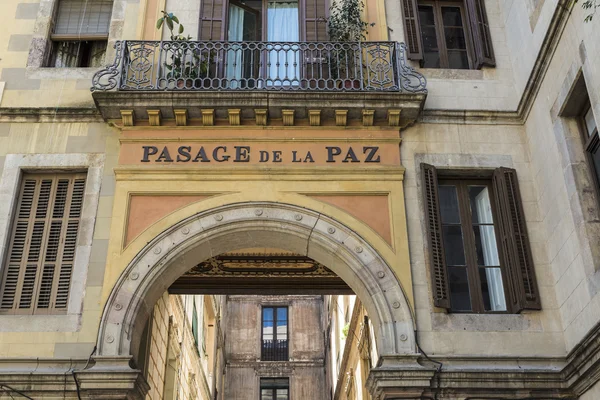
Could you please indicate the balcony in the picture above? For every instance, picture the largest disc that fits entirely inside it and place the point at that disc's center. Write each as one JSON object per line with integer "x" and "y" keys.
{"x": 272, "y": 76}
{"x": 274, "y": 350}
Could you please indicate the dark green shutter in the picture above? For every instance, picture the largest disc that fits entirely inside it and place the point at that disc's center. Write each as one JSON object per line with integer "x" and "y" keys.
{"x": 514, "y": 242}
{"x": 437, "y": 261}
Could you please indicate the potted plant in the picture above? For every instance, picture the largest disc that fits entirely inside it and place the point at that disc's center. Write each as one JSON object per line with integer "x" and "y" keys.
{"x": 345, "y": 25}
{"x": 186, "y": 65}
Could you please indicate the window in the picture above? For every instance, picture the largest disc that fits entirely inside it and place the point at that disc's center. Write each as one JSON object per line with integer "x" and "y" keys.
{"x": 448, "y": 34}
{"x": 80, "y": 33}
{"x": 274, "y": 334}
{"x": 274, "y": 388}
{"x": 591, "y": 141}
{"x": 37, "y": 273}
{"x": 195, "y": 322}
{"x": 480, "y": 256}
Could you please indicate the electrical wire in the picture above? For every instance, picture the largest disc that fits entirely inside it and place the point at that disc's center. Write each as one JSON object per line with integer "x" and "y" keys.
{"x": 11, "y": 389}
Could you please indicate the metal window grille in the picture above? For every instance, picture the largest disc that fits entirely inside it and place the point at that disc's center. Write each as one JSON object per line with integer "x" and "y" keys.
{"x": 37, "y": 273}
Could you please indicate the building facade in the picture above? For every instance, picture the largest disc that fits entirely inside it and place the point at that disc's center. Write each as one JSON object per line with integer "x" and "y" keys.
{"x": 445, "y": 170}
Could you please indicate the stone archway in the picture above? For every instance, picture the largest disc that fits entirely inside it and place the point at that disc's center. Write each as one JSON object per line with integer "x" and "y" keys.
{"x": 247, "y": 225}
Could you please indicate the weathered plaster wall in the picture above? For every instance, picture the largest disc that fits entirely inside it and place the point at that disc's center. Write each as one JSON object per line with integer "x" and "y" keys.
{"x": 568, "y": 209}
{"x": 30, "y": 336}
{"x": 477, "y": 146}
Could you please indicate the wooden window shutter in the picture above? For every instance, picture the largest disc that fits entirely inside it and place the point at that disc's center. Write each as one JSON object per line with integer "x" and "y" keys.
{"x": 480, "y": 31}
{"x": 514, "y": 242}
{"x": 315, "y": 20}
{"x": 42, "y": 248}
{"x": 439, "y": 276}
{"x": 412, "y": 29}
{"x": 212, "y": 19}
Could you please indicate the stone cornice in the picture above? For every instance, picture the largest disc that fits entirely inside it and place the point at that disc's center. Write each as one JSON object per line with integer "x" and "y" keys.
{"x": 49, "y": 114}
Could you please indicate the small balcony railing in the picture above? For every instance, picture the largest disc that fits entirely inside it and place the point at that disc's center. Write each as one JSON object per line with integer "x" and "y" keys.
{"x": 274, "y": 350}
{"x": 271, "y": 66}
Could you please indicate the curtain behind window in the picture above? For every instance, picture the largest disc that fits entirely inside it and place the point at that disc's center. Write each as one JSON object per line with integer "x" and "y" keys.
{"x": 282, "y": 24}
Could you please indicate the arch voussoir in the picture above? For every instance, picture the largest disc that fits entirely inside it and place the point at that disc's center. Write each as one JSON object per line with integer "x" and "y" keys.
{"x": 255, "y": 224}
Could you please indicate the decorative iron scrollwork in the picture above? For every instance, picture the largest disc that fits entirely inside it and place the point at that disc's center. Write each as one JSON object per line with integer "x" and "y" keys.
{"x": 108, "y": 78}
{"x": 247, "y": 66}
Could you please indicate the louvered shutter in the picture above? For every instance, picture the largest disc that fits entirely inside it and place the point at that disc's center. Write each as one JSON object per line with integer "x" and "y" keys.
{"x": 42, "y": 248}
{"x": 412, "y": 29}
{"x": 315, "y": 20}
{"x": 212, "y": 19}
{"x": 433, "y": 220}
{"x": 83, "y": 17}
{"x": 480, "y": 31}
{"x": 514, "y": 242}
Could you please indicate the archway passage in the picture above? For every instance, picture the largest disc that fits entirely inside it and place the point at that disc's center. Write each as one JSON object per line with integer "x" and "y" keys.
{"x": 233, "y": 227}
{"x": 260, "y": 271}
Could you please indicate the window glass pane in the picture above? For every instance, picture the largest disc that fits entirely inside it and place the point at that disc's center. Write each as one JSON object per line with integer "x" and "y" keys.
{"x": 458, "y": 59}
{"x": 268, "y": 323}
{"x": 266, "y": 394}
{"x": 426, "y": 16}
{"x": 448, "y": 204}
{"x": 460, "y": 298}
{"x": 596, "y": 158}
{"x": 455, "y": 38}
{"x": 486, "y": 245}
{"x": 492, "y": 289}
{"x": 431, "y": 56}
{"x": 282, "y": 314}
{"x": 452, "y": 16}
{"x": 282, "y": 394}
{"x": 481, "y": 208}
{"x": 267, "y": 314}
{"x": 590, "y": 122}
{"x": 453, "y": 245}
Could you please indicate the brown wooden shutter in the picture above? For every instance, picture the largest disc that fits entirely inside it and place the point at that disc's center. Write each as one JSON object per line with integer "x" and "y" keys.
{"x": 412, "y": 29}
{"x": 42, "y": 247}
{"x": 514, "y": 242}
{"x": 212, "y": 19}
{"x": 480, "y": 31}
{"x": 439, "y": 276}
{"x": 315, "y": 20}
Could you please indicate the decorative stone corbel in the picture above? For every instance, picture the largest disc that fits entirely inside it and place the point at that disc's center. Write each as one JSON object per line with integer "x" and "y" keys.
{"x": 127, "y": 117}
{"x": 154, "y": 117}
{"x": 261, "y": 116}
{"x": 368, "y": 117}
{"x": 234, "y": 116}
{"x": 288, "y": 117}
{"x": 394, "y": 117}
{"x": 314, "y": 117}
{"x": 208, "y": 117}
{"x": 181, "y": 117}
{"x": 341, "y": 117}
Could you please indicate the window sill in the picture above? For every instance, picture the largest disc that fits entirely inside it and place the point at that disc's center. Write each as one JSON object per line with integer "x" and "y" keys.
{"x": 62, "y": 73}
{"x": 444, "y": 73}
{"x": 40, "y": 323}
{"x": 486, "y": 322}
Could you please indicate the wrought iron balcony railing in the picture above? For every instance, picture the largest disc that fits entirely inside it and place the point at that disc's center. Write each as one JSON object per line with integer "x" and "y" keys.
{"x": 271, "y": 66}
{"x": 274, "y": 350}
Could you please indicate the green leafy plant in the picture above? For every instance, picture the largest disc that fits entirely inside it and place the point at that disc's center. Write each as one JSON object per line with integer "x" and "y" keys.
{"x": 345, "y": 331}
{"x": 345, "y": 24}
{"x": 185, "y": 62}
